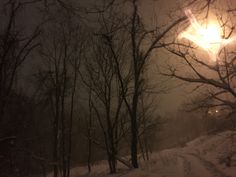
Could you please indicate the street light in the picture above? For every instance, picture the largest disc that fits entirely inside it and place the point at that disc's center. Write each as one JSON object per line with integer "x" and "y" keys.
{"x": 208, "y": 36}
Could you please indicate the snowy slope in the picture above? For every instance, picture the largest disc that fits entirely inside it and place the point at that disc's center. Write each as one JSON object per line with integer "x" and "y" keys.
{"x": 206, "y": 156}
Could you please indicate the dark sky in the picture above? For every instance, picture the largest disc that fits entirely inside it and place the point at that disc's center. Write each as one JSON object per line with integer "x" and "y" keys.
{"x": 170, "y": 102}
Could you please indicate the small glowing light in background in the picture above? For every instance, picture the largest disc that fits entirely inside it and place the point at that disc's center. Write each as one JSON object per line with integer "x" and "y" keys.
{"x": 209, "y": 112}
{"x": 208, "y": 37}
{"x": 213, "y": 112}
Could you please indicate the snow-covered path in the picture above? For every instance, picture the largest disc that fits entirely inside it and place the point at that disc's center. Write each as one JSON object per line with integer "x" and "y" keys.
{"x": 195, "y": 166}
{"x": 186, "y": 165}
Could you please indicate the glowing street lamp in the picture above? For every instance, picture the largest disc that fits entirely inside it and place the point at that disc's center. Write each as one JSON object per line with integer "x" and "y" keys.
{"x": 208, "y": 37}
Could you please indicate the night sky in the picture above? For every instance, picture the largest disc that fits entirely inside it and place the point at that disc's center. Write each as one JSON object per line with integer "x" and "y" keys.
{"x": 177, "y": 95}
{"x": 168, "y": 102}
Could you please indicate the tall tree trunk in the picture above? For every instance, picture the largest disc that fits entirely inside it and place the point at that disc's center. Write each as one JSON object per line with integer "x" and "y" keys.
{"x": 55, "y": 143}
{"x": 134, "y": 142}
{"x": 134, "y": 130}
{"x": 56, "y": 122}
{"x": 64, "y": 164}
{"x": 71, "y": 119}
{"x": 89, "y": 132}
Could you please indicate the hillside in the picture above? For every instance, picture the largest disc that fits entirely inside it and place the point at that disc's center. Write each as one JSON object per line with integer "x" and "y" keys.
{"x": 206, "y": 156}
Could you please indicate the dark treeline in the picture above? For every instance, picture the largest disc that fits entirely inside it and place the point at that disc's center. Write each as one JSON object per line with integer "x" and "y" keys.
{"x": 87, "y": 91}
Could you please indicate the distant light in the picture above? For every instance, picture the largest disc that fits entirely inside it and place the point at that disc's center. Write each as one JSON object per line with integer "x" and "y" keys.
{"x": 213, "y": 112}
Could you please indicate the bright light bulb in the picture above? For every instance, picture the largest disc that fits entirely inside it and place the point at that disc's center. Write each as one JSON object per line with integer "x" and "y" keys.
{"x": 212, "y": 34}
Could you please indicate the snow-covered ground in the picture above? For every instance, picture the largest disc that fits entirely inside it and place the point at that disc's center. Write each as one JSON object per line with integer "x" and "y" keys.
{"x": 205, "y": 156}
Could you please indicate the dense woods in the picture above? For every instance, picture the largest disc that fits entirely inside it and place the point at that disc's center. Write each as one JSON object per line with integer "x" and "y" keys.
{"x": 75, "y": 87}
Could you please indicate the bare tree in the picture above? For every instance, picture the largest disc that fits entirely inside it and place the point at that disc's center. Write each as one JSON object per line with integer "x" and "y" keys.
{"x": 147, "y": 124}
{"x": 16, "y": 46}
{"x": 99, "y": 76}
{"x": 138, "y": 35}
{"x": 62, "y": 50}
{"x": 89, "y": 131}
